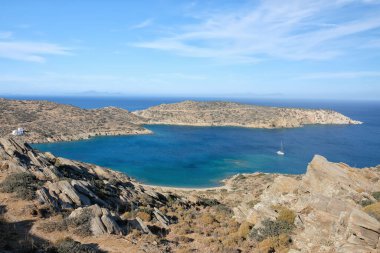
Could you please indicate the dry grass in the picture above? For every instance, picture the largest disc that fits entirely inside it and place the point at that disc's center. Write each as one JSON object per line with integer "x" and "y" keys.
{"x": 279, "y": 243}
{"x": 284, "y": 214}
{"x": 373, "y": 210}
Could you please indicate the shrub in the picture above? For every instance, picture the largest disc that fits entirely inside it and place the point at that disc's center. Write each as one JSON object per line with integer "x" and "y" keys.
{"x": 285, "y": 214}
{"x": 231, "y": 241}
{"x": 145, "y": 216}
{"x": 366, "y": 202}
{"x": 207, "y": 219}
{"x": 244, "y": 229}
{"x": 224, "y": 210}
{"x": 271, "y": 229}
{"x": 376, "y": 195}
{"x": 373, "y": 210}
{"x": 23, "y": 184}
{"x": 252, "y": 203}
{"x": 275, "y": 244}
{"x": 52, "y": 226}
{"x": 208, "y": 202}
{"x": 81, "y": 224}
{"x": 68, "y": 245}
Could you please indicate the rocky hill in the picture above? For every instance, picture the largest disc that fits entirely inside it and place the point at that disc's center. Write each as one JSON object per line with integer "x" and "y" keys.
{"x": 48, "y": 122}
{"x": 241, "y": 115}
{"x": 44, "y": 199}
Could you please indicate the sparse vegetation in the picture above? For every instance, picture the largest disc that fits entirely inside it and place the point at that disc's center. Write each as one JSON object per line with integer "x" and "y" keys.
{"x": 271, "y": 229}
{"x": 373, "y": 210}
{"x": 68, "y": 245}
{"x": 366, "y": 202}
{"x": 145, "y": 216}
{"x": 376, "y": 195}
{"x": 24, "y": 185}
{"x": 284, "y": 214}
{"x": 81, "y": 224}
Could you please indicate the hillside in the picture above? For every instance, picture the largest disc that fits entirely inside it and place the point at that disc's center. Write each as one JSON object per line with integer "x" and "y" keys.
{"x": 44, "y": 199}
{"x": 241, "y": 115}
{"x": 48, "y": 122}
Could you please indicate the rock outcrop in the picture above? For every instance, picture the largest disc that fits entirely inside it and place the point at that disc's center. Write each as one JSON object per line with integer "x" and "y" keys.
{"x": 324, "y": 206}
{"x": 326, "y": 201}
{"x": 78, "y": 187}
{"x": 241, "y": 115}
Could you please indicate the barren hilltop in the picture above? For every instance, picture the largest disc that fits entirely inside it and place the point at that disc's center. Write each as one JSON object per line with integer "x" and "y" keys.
{"x": 52, "y": 204}
{"x": 50, "y": 122}
{"x": 242, "y": 115}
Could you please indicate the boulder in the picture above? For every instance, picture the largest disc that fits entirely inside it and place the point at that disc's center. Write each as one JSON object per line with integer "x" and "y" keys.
{"x": 161, "y": 218}
{"x": 102, "y": 222}
{"x": 139, "y": 225}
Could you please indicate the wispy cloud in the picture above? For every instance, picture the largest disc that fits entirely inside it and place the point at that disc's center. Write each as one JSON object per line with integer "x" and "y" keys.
{"x": 340, "y": 75}
{"x": 30, "y": 51}
{"x": 143, "y": 24}
{"x": 295, "y": 30}
{"x": 6, "y": 34}
{"x": 75, "y": 79}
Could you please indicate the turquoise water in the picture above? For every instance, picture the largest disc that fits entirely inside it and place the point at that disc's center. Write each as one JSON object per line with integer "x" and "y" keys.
{"x": 202, "y": 156}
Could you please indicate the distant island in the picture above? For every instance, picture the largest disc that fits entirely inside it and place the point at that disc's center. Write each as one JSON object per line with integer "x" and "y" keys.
{"x": 45, "y": 121}
{"x": 193, "y": 113}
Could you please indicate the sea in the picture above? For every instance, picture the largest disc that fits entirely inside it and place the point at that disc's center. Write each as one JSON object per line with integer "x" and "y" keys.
{"x": 184, "y": 156}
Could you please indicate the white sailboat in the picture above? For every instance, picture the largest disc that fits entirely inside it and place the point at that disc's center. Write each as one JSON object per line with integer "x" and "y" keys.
{"x": 281, "y": 151}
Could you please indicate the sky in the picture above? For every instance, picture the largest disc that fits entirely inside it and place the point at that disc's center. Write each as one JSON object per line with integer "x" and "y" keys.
{"x": 263, "y": 49}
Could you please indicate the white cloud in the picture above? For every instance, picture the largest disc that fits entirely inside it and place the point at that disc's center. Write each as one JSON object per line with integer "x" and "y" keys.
{"x": 294, "y": 30}
{"x": 143, "y": 24}
{"x": 340, "y": 75}
{"x": 30, "y": 51}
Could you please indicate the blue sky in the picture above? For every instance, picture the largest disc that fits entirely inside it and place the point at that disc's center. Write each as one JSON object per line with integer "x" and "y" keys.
{"x": 286, "y": 49}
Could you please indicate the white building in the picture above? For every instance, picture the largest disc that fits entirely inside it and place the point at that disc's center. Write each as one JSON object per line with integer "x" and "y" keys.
{"x": 18, "y": 131}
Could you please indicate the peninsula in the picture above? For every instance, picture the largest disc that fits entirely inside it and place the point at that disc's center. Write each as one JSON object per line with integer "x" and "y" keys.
{"x": 50, "y": 122}
{"x": 46, "y": 121}
{"x": 240, "y": 115}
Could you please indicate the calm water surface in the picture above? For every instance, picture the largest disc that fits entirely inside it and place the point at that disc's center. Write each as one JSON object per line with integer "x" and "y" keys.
{"x": 202, "y": 156}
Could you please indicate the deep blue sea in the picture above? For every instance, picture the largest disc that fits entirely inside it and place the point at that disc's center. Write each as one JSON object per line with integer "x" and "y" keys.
{"x": 202, "y": 156}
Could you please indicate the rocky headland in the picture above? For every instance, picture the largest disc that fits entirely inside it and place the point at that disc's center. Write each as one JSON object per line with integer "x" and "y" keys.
{"x": 50, "y": 122}
{"x": 193, "y": 113}
{"x": 46, "y": 199}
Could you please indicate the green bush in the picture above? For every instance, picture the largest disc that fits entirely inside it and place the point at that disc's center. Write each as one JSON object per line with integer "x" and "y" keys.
{"x": 366, "y": 202}
{"x": 23, "y": 184}
{"x": 271, "y": 229}
{"x": 376, "y": 195}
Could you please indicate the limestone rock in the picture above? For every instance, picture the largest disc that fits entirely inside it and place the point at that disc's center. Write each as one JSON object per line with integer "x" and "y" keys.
{"x": 161, "y": 218}
{"x": 102, "y": 222}
{"x": 139, "y": 224}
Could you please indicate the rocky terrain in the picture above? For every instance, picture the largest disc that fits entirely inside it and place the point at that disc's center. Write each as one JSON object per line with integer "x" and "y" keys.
{"x": 44, "y": 199}
{"x": 240, "y": 115}
{"x": 49, "y": 122}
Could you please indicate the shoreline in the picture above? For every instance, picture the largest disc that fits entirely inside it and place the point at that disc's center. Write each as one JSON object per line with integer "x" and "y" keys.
{"x": 187, "y": 189}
